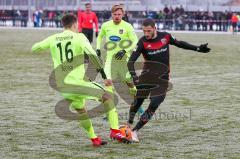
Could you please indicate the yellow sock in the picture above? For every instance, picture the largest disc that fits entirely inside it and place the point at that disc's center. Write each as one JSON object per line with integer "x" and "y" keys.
{"x": 86, "y": 123}
{"x": 112, "y": 114}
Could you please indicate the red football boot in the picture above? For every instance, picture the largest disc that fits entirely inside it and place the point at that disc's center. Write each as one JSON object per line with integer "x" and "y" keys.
{"x": 98, "y": 141}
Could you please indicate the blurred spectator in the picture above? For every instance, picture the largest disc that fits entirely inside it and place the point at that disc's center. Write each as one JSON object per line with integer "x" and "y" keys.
{"x": 171, "y": 10}
{"x": 205, "y": 19}
{"x": 51, "y": 16}
{"x": 106, "y": 15}
{"x": 13, "y": 16}
{"x": 181, "y": 10}
{"x": 40, "y": 18}
{"x": 238, "y": 23}
{"x": 210, "y": 20}
{"x": 166, "y": 10}
{"x": 190, "y": 21}
{"x": 218, "y": 21}
{"x": 198, "y": 18}
{"x": 151, "y": 14}
{"x": 3, "y": 17}
{"x": 24, "y": 18}
{"x": 234, "y": 21}
{"x": 168, "y": 18}
{"x": 224, "y": 21}
{"x": 125, "y": 16}
{"x": 35, "y": 18}
{"x": 160, "y": 15}
{"x": 179, "y": 23}
{"x": 57, "y": 18}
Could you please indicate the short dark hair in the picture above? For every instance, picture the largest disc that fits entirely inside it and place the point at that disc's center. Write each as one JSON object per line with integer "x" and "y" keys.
{"x": 87, "y": 4}
{"x": 148, "y": 22}
{"x": 68, "y": 20}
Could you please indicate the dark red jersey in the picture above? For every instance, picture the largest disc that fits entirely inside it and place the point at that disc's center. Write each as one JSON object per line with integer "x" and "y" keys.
{"x": 156, "y": 52}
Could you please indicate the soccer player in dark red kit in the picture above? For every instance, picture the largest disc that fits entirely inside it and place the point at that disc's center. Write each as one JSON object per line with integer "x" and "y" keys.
{"x": 86, "y": 19}
{"x": 153, "y": 81}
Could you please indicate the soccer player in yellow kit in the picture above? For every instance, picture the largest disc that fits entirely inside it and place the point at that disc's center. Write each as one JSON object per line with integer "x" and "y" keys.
{"x": 121, "y": 40}
{"x": 67, "y": 50}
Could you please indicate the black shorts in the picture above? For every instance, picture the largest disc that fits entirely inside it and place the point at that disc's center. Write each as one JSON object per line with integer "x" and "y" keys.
{"x": 88, "y": 33}
{"x": 153, "y": 85}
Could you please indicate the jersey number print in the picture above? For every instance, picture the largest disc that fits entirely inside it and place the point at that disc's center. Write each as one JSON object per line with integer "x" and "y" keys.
{"x": 68, "y": 52}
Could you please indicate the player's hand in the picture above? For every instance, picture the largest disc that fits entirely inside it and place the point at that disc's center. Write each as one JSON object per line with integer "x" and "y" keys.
{"x": 98, "y": 51}
{"x": 119, "y": 55}
{"x": 203, "y": 48}
{"x": 96, "y": 34}
{"x": 108, "y": 82}
{"x": 135, "y": 79}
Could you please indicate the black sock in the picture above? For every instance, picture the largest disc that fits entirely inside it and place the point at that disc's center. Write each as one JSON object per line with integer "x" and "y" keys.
{"x": 145, "y": 117}
{"x": 134, "y": 108}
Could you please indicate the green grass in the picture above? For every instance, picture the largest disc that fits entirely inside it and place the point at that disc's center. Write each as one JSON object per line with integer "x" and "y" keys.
{"x": 198, "y": 119}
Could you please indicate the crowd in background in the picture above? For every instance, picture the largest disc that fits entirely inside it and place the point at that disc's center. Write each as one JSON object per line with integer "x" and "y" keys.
{"x": 169, "y": 18}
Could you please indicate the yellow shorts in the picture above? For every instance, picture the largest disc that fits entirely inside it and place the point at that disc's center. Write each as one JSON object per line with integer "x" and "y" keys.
{"x": 85, "y": 90}
{"x": 117, "y": 69}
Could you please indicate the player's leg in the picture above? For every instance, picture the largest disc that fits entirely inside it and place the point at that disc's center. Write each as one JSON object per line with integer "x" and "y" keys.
{"x": 134, "y": 108}
{"x": 112, "y": 116}
{"x": 86, "y": 33}
{"x": 125, "y": 75}
{"x": 110, "y": 75}
{"x": 126, "y": 78}
{"x": 86, "y": 124}
{"x": 78, "y": 103}
{"x": 111, "y": 112}
{"x": 110, "y": 72}
{"x": 92, "y": 90}
{"x": 147, "y": 115}
{"x": 107, "y": 99}
{"x": 90, "y": 35}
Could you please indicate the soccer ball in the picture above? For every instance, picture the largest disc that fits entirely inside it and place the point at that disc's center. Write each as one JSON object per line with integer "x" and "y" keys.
{"x": 126, "y": 131}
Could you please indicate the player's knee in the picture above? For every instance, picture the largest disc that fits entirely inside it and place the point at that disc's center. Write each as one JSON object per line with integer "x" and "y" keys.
{"x": 81, "y": 111}
{"x": 137, "y": 102}
{"x": 83, "y": 115}
{"x": 106, "y": 96}
{"x": 155, "y": 102}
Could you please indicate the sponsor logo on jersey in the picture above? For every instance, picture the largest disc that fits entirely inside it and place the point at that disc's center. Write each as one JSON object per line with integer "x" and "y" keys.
{"x": 121, "y": 31}
{"x": 114, "y": 38}
{"x": 164, "y": 41}
{"x": 157, "y": 51}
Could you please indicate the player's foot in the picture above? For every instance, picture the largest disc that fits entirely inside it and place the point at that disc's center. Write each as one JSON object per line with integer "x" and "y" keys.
{"x": 98, "y": 142}
{"x": 135, "y": 136}
{"x": 116, "y": 134}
